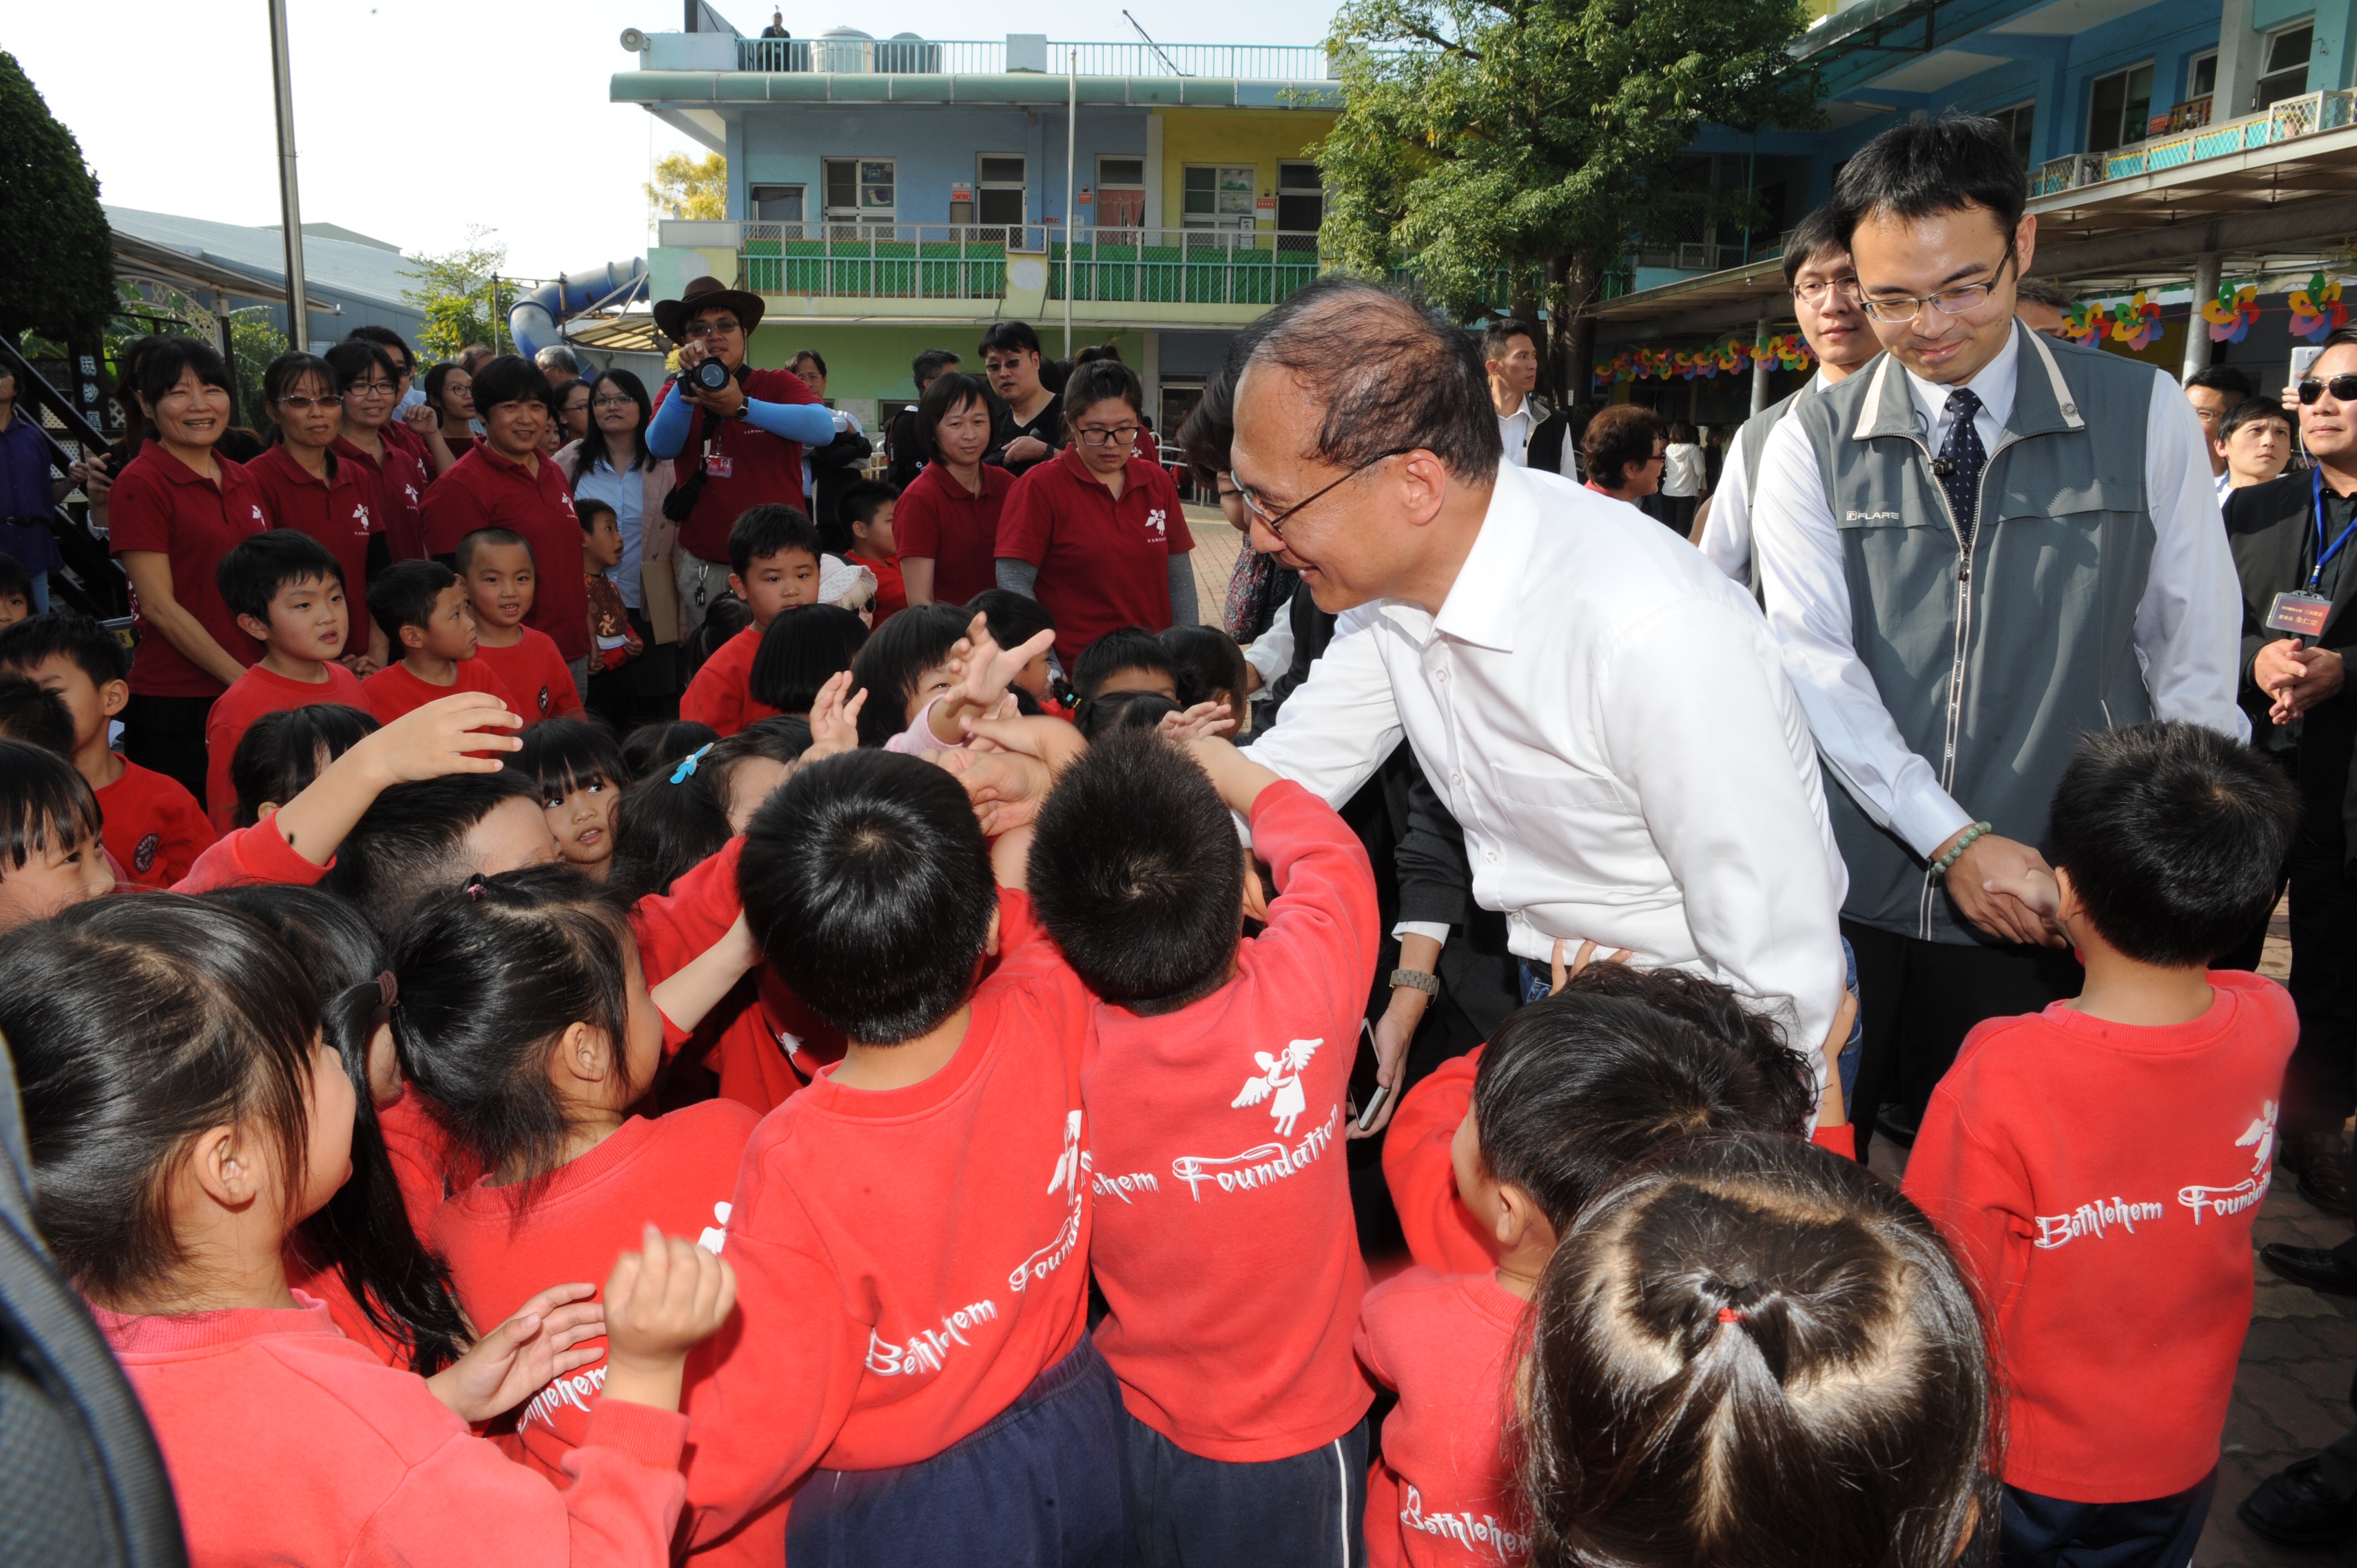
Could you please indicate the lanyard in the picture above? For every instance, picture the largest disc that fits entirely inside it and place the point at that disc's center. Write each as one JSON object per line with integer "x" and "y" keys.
{"x": 2324, "y": 553}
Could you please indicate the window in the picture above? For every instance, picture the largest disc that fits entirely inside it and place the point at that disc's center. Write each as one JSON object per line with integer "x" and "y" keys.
{"x": 2202, "y": 75}
{"x": 2019, "y": 120}
{"x": 2283, "y": 65}
{"x": 1220, "y": 195}
{"x": 1300, "y": 205}
{"x": 998, "y": 190}
{"x": 859, "y": 192}
{"x": 776, "y": 203}
{"x": 2121, "y": 104}
{"x": 1121, "y": 193}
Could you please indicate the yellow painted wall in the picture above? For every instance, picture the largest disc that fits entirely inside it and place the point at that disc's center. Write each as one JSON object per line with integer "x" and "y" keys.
{"x": 1262, "y": 138}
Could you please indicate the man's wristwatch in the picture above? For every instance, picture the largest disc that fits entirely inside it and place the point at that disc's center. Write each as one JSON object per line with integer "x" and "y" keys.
{"x": 1427, "y": 983}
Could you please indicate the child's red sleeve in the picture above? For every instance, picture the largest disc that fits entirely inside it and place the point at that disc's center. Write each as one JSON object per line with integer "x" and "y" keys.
{"x": 1841, "y": 1140}
{"x": 1979, "y": 1196}
{"x": 564, "y": 697}
{"x": 675, "y": 928}
{"x": 1419, "y": 1166}
{"x": 1324, "y": 911}
{"x": 258, "y": 853}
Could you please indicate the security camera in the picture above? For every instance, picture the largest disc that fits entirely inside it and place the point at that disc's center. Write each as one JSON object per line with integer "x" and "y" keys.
{"x": 634, "y": 41}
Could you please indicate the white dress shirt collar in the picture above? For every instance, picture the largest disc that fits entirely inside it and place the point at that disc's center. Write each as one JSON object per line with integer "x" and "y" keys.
{"x": 1994, "y": 383}
{"x": 1486, "y": 599}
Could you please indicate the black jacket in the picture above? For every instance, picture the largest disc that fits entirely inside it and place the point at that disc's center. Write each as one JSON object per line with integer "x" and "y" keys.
{"x": 2271, "y": 528}
{"x": 834, "y": 466}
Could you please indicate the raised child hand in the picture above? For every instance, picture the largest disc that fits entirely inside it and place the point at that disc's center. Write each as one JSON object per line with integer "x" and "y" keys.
{"x": 984, "y": 670}
{"x": 1052, "y": 741}
{"x": 835, "y": 723}
{"x": 1005, "y": 787}
{"x": 513, "y": 1362}
{"x": 1201, "y": 722}
{"x": 433, "y": 741}
{"x": 662, "y": 1301}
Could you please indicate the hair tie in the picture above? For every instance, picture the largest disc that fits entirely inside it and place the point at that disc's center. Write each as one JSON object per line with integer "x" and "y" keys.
{"x": 686, "y": 769}
{"x": 474, "y": 885}
{"x": 1730, "y": 1314}
{"x": 388, "y": 991}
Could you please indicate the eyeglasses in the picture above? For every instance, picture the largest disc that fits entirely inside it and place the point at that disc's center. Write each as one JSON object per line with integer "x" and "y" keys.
{"x": 1813, "y": 294}
{"x": 306, "y": 405}
{"x": 1960, "y": 301}
{"x": 615, "y": 402}
{"x": 367, "y": 389}
{"x": 2342, "y": 388}
{"x": 1119, "y": 435}
{"x": 720, "y": 328}
{"x": 994, "y": 366}
{"x": 1274, "y": 521}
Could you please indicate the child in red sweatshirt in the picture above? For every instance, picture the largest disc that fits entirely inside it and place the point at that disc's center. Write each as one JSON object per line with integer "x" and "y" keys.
{"x": 1611, "y": 1070}
{"x": 2097, "y": 1165}
{"x": 503, "y": 580}
{"x": 421, "y": 606}
{"x": 287, "y": 593}
{"x": 248, "y": 1128}
{"x": 1214, "y": 1085}
{"x": 773, "y": 554}
{"x": 912, "y": 1229}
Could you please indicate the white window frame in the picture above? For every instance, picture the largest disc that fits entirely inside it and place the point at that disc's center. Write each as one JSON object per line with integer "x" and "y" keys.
{"x": 1104, "y": 185}
{"x": 2267, "y": 50}
{"x": 858, "y": 215}
{"x": 2129, "y": 136}
{"x": 1022, "y": 188}
{"x": 1244, "y": 220}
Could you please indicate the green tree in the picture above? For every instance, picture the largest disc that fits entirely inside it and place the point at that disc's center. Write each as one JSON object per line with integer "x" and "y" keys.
{"x": 253, "y": 343}
{"x": 463, "y": 296}
{"x": 1517, "y": 148}
{"x": 685, "y": 189}
{"x": 60, "y": 280}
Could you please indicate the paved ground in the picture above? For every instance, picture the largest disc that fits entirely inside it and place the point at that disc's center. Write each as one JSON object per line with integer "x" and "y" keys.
{"x": 1216, "y": 545}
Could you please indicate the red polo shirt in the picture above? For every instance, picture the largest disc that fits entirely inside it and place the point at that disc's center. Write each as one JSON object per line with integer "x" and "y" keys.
{"x": 160, "y": 503}
{"x": 395, "y": 433}
{"x": 891, "y": 590}
{"x": 748, "y": 467}
{"x": 400, "y": 481}
{"x": 487, "y": 490}
{"x": 1105, "y": 563}
{"x": 340, "y": 512}
{"x": 940, "y": 518}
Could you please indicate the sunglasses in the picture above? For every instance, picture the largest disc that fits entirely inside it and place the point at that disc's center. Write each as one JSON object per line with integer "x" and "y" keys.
{"x": 2342, "y": 388}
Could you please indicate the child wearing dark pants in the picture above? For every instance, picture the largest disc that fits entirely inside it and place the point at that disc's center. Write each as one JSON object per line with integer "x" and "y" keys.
{"x": 2097, "y": 1165}
{"x": 1214, "y": 1083}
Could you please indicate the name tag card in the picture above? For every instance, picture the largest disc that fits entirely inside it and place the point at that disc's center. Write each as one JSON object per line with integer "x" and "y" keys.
{"x": 2301, "y": 614}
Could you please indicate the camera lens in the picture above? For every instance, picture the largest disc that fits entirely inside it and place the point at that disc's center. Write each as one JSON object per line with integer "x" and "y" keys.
{"x": 712, "y": 375}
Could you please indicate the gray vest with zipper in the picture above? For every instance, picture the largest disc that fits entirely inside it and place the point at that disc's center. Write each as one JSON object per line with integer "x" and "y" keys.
{"x": 1991, "y": 667}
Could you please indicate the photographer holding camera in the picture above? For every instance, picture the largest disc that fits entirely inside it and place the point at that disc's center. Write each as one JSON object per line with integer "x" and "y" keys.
{"x": 735, "y": 434}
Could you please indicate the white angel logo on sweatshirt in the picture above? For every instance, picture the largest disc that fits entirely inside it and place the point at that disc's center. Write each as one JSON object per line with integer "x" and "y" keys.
{"x": 1280, "y": 1075}
{"x": 1068, "y": 1164}
{"x": 2259, "y": 1137}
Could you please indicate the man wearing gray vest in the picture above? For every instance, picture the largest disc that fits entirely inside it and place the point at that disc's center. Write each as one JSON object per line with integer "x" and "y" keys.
{"x": 1818, "y": 272}
{"x": 1979, "y": 547}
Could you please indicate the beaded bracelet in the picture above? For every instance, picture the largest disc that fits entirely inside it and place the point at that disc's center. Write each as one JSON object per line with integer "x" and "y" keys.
{"x": 1956, "y": 852}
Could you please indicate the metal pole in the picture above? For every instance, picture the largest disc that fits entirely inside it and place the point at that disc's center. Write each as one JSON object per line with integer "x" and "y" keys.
{"x": 1760, "y": 367}
{"x": 290, "y": 205}
{"x": 2197, "y": 334}
{"x": 1071, "y": 160}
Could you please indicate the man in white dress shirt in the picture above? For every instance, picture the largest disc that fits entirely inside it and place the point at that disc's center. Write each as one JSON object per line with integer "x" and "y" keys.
{"x": 1975, "y": 549}
{"x": 1602, "y": 712}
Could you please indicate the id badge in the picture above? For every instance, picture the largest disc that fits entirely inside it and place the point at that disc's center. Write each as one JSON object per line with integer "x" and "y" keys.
{"x": 2300, "y": 614}
{"x": 720, "y": 466}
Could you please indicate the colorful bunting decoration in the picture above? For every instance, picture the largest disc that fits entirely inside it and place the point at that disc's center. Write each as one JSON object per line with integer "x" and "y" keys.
{"x": 2317, "y": 310}
{"x": 1731, "y": 355}
{"x": 2087, "y": 322}
{"x": 2233, "y": 313}
{"x": 2138, "y": 322}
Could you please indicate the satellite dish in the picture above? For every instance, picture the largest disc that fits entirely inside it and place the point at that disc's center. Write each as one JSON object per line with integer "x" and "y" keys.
{"x": 634, "y": 41}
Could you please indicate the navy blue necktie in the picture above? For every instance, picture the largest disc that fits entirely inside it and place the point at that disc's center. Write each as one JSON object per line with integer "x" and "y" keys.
{"x": 1962, "y": 458}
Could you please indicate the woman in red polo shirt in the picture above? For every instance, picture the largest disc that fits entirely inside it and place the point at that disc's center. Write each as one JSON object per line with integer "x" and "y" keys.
{"x": 450, "y": 393}
{"x": 947, "y": 520}
{"x": 371, "y": 382}
{"x": 304, "y": 488}
{"x": 174, "y": 511}
{"x": 1096, "y": 533}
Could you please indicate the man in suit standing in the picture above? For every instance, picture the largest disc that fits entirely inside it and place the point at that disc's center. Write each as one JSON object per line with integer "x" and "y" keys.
{"x": 2295, "y": 552}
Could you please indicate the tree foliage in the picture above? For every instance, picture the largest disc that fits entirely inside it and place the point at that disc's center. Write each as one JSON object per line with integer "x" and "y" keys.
{"x": 1510, "y": 150}
{"x": 686, "y": 190}
{"x": 463, "y": 296}
{"x": 60, "y": 280}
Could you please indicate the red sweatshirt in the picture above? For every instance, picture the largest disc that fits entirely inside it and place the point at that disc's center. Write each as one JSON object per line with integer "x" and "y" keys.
{"x": 505, "y": 1244}
{"x": 329, "y": 1285}
{"x": 2099, "y": 1181}
{"x": 363, "y": 1466}
{"x": 1225, "y": 1243}
{"x": 721, "y": 694}
{"x": 396, "y": 690}
{"x": 1438, "y": 1495}
{"x": 258, "y": 853}
{"x": 535, "y": 675}
{"x": 907, "y": 1261}
{"x": 261, "y": 691}
{"x": 429, "y": 1165}
{"x": 153, "y": 826}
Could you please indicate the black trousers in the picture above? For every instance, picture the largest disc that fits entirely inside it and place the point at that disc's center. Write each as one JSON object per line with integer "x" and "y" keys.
{"x": 2321, "y": 1085}
{"x": 1918, "y": 1000}
{"x": 167, "y": 734}
{"x": 2050, "y": 1533}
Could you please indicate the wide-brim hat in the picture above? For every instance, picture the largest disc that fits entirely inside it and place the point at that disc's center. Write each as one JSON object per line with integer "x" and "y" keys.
{"x": 703, "y": 293}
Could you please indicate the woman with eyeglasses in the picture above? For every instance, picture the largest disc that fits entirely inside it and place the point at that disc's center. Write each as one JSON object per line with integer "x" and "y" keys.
{"x": 1096, "y": 533}
{"x": 450, "y": 393}
{"x": 573, "y": 411}
{"x": 306, "y": 489}
{"x": 370, "y": 388}
{"x": 612, "y": 465}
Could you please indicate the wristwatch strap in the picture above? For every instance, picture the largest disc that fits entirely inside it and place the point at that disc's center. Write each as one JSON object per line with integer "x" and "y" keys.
{"x": 1427, "y": 983}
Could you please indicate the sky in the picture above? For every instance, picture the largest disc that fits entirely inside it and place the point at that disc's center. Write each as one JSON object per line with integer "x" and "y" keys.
{"x": 415, "y": 119}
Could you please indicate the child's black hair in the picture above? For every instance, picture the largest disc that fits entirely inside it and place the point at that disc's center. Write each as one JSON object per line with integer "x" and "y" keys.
{"x": 660, "y": 744}
{"x": 1127, "y": 647}
{"x": 1014, "y": 619}
{"x": 33, "y": 713}
{"x": 894, "y": 660}
{"x": 35, "y": 641}
{"x": 804, "y": 647}
{"x": 860, "y": 502}
{"x": 16, "y": 582}
{"x": 249, "y": 575}
{"x": 405, "y": 593}
{"x": 1136, "y": 874}
{"x": 463, "y": 557}
{"x": 280, "y": 754}
{"x": 2174, "y": 837}
{"x": 723, "y": 619}
{"x": 782, "y": 738}
{"x": 867, "y": 884}
{"x": 560, "y": 756}
{"x": 45, "y": 804}
{"x": 666, "y": 823}
{"x": 135, "y": 1025}
{"x": 1113, "y": 711}
{"x": 771, "y": 529}
{"x": 1207, "y": 663}
{"x": 588, "y": 509}
{"x": 364, "y": 1232}
{"x": 411, "y": 844}
{"x": 1578, "y": 1085}
{"x": 491, "y": 974}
